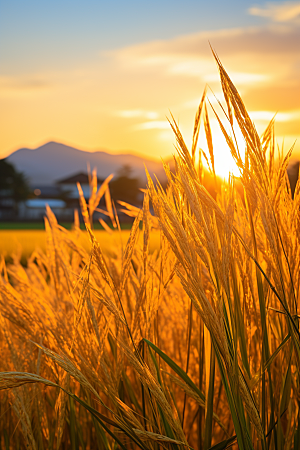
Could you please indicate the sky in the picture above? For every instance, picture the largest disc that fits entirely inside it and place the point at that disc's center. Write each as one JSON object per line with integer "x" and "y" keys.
{"x": 101, "y": 75}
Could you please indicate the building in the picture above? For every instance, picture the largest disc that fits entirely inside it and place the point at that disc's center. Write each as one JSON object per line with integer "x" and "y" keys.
{"x": 68, "y": 186}
{"x": 35, "y": 208}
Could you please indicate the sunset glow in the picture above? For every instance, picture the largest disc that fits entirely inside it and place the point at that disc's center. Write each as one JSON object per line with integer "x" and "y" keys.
{"x": 118, "y": 94}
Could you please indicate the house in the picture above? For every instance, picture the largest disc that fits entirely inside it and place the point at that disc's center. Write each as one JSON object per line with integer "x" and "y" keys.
{"x": 68, "y": 185}
{"x": 62, "y": 198}
{"x": 35, "y": 208}
{"x": 45, "y": 191}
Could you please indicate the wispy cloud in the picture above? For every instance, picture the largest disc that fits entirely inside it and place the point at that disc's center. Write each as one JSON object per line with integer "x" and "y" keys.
{"x": 278, "y": 12}
{"x": 257, "y": 49}
{"x": 138, "y": 113}
{"x": 266, "y": 116}
{"x": 214, "y": 98}
{"x": 13, "y": 85}
{"x": 153, "y": 125}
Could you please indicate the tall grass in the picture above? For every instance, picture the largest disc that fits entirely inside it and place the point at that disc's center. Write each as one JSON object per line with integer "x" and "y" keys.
{"x": 195, "y": 345}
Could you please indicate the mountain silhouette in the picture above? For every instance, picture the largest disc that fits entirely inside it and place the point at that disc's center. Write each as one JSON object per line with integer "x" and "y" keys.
{"x": 53, "y": 161}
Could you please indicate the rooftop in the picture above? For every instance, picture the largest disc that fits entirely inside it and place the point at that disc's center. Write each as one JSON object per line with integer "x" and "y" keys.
{"x": 79, "y": 177}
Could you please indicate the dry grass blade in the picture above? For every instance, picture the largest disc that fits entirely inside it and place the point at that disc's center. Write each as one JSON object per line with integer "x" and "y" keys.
{"x": 209, "y": 139}
{"x": 97, "y": 195}
{"x": 105, "y": 226}
{"x": 197, "y": 125}
{"x": 146, "y": 435}
{"x": 65, "y": 363}
{"x": 60, "y": 407}
{"x": 84, "y": 209}
{"x": 129, "y": 250}
{"x": 109, "y": 207}
{"x": 10, "y": 380}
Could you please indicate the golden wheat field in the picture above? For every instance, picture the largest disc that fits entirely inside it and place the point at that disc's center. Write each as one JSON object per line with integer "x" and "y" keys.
{"x": 194, "y": 344}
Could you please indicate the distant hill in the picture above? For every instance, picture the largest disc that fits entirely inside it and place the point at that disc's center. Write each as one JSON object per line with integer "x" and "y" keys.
{"x": 53, "y": 161}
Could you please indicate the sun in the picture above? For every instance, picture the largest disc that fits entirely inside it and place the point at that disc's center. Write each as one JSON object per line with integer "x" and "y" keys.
{"x": 224, "y": 162}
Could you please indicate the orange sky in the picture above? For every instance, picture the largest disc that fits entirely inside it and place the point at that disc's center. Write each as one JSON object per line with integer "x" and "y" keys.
{"x": 119, "y": 101}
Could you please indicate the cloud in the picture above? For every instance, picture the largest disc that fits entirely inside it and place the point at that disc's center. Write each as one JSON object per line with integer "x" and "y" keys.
{"x": 153, "y": 125}
{"x": 274, "y": 38}
{"x": 138, "y": 113}
{"x": 23, "y": 85}
{"x": 194, "y": 103}
{"x": 266, "y": 116}
{"x": 284, "y": 12}
{"x": 262, "y": 52}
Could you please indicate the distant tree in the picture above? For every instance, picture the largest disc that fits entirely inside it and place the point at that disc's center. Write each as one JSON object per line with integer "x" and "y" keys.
{"x": 13, "y": 184}
{"x": 125, "y": 187}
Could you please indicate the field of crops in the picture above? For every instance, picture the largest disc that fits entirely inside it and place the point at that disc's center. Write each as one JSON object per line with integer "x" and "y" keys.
{"x": 22, "y": 243}
{"x": 193, "y": 343}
